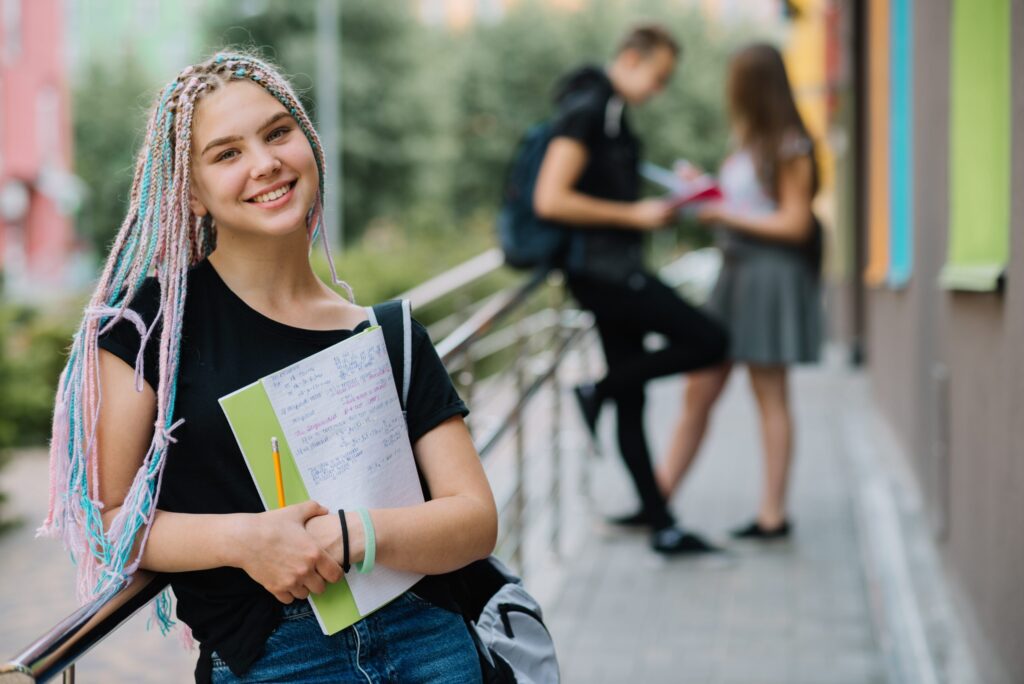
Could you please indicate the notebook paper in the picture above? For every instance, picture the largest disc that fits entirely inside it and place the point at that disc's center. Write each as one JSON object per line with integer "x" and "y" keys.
{"x": 344, "y": 444}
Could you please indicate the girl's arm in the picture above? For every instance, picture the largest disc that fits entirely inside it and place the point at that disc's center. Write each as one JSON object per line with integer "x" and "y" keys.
{"x": 791, "y": 222}
{"x": 459, "y": 525}
{"x": 273, "y": 548}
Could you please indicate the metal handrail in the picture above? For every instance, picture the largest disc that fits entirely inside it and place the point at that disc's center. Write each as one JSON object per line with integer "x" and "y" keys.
{"x": 444, "y": 284}
{"x": 460, "y": 339}
{"x": 58, "y": 650}
{"x": 72, "y": 638}
{"x": 576, "y": 328}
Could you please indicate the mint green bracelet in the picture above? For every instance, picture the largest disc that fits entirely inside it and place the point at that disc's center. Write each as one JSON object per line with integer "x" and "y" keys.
{"x": 370, "y": 543}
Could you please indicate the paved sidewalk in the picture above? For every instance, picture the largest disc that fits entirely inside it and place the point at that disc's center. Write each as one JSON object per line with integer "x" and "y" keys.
{"x": 37, "y": 592}
{"x": 795, "y": 612}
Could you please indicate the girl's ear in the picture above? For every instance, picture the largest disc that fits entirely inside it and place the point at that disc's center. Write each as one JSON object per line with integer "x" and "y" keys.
{"x": 198, "y": 208}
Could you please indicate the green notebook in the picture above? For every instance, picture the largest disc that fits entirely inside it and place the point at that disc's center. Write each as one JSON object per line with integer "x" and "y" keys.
{"x": 341, "y": 409}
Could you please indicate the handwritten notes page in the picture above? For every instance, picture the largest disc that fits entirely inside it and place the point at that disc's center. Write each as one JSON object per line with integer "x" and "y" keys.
{"x": 343, "y": 423}
{"x": 343, "y": 443}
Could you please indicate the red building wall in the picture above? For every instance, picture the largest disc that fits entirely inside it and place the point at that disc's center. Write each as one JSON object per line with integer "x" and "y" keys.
{"x": 35, "y": 142}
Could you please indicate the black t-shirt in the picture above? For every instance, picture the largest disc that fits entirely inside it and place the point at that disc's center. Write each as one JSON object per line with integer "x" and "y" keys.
{"x": 227, "y": 345}
{"x": 590, "y": 113}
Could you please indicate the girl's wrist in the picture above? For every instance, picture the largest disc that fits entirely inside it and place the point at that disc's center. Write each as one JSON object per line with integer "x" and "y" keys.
{"x": 244, "y": 528}
{"x": 356, "y": 537}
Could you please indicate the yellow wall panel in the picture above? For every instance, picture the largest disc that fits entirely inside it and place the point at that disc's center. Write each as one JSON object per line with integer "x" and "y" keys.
{"x": 878, "y": 142}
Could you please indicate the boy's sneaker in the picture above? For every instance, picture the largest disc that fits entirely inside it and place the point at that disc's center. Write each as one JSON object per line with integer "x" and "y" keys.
{"x": 673, "y": 541}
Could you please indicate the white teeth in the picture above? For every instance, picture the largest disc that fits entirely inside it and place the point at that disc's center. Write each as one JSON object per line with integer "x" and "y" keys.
{"x": 271, "y": 196}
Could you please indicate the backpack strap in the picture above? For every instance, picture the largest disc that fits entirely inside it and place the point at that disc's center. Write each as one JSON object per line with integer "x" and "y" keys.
{"x": 395, "y": 318}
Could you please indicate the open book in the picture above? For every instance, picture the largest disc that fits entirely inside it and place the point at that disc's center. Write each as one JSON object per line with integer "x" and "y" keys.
{"x": 343, "y": 442}
{"x": 703, "y": 188}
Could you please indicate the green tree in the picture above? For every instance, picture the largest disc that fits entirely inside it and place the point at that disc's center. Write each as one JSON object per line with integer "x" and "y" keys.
{"x": 510, "y": 70}
{"x": 390, "y": 104}
{"x": 110, "y": 108}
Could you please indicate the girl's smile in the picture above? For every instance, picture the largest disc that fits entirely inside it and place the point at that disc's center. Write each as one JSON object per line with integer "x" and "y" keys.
{"x": 275, "y": 196}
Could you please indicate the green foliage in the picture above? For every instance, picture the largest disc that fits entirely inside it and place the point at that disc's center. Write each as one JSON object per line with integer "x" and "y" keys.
{"x": 430, "y": 117}
{"x": 33, "y": 348}
{"x": 31, "y": 358}
{"x": 391, "y": 127}
{"x": 110, "y": 108}
{"x": 389, "y": 261}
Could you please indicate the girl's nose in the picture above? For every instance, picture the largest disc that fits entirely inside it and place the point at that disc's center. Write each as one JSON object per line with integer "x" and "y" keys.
{"x": 266, "y": 165}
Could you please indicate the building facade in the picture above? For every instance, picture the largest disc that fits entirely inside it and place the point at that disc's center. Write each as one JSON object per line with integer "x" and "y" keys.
{"x": 37, "y": 190}
{"x": 937, "y": 287}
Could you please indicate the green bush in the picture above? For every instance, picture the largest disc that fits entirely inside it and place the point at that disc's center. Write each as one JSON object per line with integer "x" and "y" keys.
{"x": 389, "y": 261}
{"x": 33, "y": 350}
{"x": 32, "y": 354}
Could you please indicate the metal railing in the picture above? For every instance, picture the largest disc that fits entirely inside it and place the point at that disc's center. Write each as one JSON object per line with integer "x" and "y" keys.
{"x": 503, "y": 323}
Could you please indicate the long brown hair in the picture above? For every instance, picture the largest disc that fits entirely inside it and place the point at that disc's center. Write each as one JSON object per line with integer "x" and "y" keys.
{"x": 761, "y": 99}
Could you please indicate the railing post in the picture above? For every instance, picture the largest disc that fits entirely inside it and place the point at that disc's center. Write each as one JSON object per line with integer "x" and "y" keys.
{"x": 519, "y": 493}
{"x": 69, "y": 674}
{"x": 557, "y": 300}
{"x": 590, "y": 449}
{"x": 467, "y": 376}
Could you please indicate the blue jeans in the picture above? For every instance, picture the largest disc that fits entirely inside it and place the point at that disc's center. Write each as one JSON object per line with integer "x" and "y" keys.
{"x": 408, "y": 641}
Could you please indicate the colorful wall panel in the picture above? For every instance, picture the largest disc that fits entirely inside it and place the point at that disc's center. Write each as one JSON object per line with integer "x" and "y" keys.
{"x": 878, "y": 143}
{"x": 901, "y": 143}
{"x": 980, "y": 129}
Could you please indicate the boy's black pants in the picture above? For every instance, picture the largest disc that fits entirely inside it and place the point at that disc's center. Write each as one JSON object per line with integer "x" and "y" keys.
{"x": 624, "y": 313}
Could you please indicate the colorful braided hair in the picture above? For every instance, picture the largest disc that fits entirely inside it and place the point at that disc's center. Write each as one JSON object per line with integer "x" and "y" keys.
{"x": 159, "y": 233}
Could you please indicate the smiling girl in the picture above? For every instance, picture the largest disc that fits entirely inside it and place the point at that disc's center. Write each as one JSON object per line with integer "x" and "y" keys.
{"x": 226, "y": 200}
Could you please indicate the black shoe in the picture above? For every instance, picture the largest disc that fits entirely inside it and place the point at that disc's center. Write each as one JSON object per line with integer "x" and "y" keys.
{"x": 673, "y": 541}
{"x": 755, "y": 531}
{"x": 633, "y": 520}
{"x": 590, "y": 406}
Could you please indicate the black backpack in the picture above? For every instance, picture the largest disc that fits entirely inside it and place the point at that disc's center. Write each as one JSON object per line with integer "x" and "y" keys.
{"x": 504, "y": 621}
{"x": 527, "y": 240}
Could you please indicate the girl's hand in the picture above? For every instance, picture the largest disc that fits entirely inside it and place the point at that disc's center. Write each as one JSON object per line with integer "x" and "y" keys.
{"x": 686, "y": 171}
{"x": 326, "y": 530}
{"x": 711, "y": 213}
{"x": 280, "y": 554}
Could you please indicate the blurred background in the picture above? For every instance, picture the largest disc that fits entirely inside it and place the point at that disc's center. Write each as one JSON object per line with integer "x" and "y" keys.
{"x": 918, "y": 111}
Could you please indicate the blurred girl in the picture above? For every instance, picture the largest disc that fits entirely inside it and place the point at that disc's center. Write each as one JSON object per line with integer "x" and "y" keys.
{"x": 767, "y": 293}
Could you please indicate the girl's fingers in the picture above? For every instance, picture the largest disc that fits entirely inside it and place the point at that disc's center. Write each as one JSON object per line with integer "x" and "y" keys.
{"x": 328, "y": 568}
{"x": 315, "y": 584}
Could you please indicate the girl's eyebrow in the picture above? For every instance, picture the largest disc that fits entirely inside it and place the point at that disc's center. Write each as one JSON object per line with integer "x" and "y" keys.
{"x": 232, "y": 138}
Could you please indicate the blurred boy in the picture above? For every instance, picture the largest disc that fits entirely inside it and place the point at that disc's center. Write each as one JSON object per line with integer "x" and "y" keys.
{"x": 589, "y": 181}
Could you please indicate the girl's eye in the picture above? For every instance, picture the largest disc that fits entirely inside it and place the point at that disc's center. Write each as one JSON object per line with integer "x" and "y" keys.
{"x": 278, "y": 133}
{"x": 226, "y": 154}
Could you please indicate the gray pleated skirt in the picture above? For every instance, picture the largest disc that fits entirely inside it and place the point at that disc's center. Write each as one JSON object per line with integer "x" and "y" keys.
{"x": 770, "y": 301}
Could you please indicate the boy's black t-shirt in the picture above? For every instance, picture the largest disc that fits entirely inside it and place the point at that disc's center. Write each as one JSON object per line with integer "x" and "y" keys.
{"x": 227, "y": 345}
{"x": 590, "y": 113}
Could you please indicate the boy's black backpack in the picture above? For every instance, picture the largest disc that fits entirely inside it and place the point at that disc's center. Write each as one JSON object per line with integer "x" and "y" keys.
{"x": 504, "y": 621}
{"x": 527, "y": 240}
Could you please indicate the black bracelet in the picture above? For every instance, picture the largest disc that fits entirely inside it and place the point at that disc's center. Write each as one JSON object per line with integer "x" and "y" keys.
{"x": 345, "y": 565}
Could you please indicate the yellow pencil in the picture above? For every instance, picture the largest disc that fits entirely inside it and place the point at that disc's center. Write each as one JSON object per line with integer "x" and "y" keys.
{"x": 277, "y": 472}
